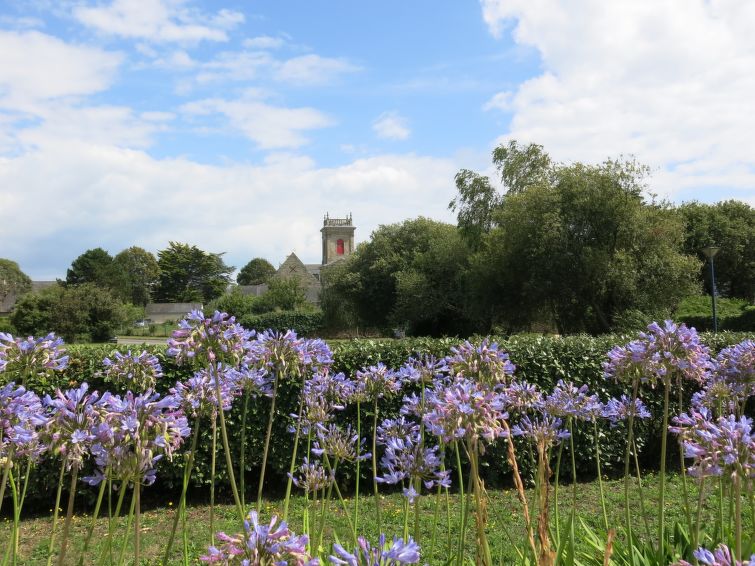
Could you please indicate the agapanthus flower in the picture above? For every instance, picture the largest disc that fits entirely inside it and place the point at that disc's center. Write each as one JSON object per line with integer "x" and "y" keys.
{"x": 484, "y": 363}
{"x": 545, "y": 431}
{"x": 197, "y": 395}
{"x": 659, "y": 353}
{"x": 261, "y": 545}
{"x": 337, "y": 442}
{"x": 376, "y": 382}
{"x": 568, "y": 400}
{"x": 208, "y": 340}
{"x": 522, "y": 396}
{"x": 735, "y": 367}
{"x": 406, "y": 459}
{"x": 722, "y": 446}
{"x": 73, "y": 416}
{"x": 311, "y": 476}
{"x": 323, "y": 394}
{"x": 21, "y": 417}
{"x": 136, "y": 432}
{"x": 616, "y": 410}
{"x": 424, "y": 369}
{"x": 465, "y": 409}
{"x": 393, "y": 554}
{"x": 721, "y": 556}
{"x": 285, "y": 354}
{"x": 397, "y": 428}
{"x": 134, "y": 371}
{"x": 21, "y": 358}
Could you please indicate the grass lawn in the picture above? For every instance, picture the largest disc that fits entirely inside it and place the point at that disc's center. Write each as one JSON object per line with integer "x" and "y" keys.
{"x": 505, "y": 523}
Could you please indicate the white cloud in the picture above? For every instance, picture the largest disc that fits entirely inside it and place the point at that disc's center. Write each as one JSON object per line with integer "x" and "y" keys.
{"x": 669, "y": 81}
{"x": 158, "y": 21}
{"x": 245, "y": 210}
{"x": 263, "y": 42}
{"x": 35, "y": 67}
{"x": 313, "y": 69}
{"x": 391, "y": 126}
{"x": 270, "y": 127}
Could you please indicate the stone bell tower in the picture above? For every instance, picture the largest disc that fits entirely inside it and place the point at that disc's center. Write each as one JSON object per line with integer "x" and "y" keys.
{"x": 337, "y": 238}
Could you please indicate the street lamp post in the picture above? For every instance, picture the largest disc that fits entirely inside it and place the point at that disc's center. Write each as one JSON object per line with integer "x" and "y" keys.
{"x": 710, "y": 252}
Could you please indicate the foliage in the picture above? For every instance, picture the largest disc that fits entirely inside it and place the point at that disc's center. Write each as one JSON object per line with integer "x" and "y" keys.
{"x": 84, "y": 312}
{"x": 729, "y": 225}
{"x": 303, "y": 323}
{"x": 140, "y": 274}
{"x": 409, "y": 275}
{"x": 190, "y": 275}
{"x": 12, "y": 279}
{"x": 732, "y": 314}
{"x": 237, "y": 303}
{"x": 93, "y": 266}
{"x": 256, "y": 272}
{"x": 580, "y": 247}
{"x": 285, "y": 294}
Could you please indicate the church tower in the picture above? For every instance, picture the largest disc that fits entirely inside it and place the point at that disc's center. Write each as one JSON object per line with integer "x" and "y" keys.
{"x": 337, "y": 238}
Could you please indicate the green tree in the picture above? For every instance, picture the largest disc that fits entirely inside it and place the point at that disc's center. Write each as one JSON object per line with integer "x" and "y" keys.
{"x": 13, "y": 281}
{"x": 81, "y": 312}
{"x": 580, "y": 247}
{"x": 409, "y": 275}
{"x": 188, "y": 274}
{"x": 730, "y": 225}
{"x": 286, "y": 294}
{"x": 93, "y": 266}
{"x": 140, "y": 274}
{"x": 257, "y": 272}
{"x": 237, "y": 304}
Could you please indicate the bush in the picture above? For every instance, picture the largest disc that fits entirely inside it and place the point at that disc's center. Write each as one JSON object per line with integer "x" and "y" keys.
{"x": 539, "y": 359}
{"x": 735, "y": 315}
{"x": 304, "y": 323}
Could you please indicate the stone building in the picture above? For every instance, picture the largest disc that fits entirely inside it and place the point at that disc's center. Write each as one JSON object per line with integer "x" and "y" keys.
{"x": 337, "y": 244}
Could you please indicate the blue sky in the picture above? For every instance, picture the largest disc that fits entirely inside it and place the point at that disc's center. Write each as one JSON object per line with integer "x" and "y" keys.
{"x": 236, "y": 126}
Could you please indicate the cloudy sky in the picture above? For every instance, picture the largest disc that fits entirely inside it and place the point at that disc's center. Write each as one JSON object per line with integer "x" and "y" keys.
{"x": 237, "y": 125}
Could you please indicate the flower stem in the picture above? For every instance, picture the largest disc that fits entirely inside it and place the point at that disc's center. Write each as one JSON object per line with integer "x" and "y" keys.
{"x": 627, "y": 460}
{"x": 69, "y": 515}
{"x": 462, "y": 505}
{"x": 687, "y": 511}
{"x": 226, "y": 446}
{"x": 55, "y": 512}
{"x": 242, "y": 455}
{"x": 95, "y": 514}
{"x": 600, "y": 475}
{"x": 356, "y": 479}
{"x": 137, "y": 522}
{"x": 292, "y": 467}
{"x": 214, "y": 428}
{"x": 267, "y": 441}
{"x": 662, "y": 478}
{"x": 374, "y": 464}
{"x": 557, "y": 515}
{"x": 128, "y": 528}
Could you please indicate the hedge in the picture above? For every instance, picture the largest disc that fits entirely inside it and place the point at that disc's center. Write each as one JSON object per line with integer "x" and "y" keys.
{"x": 304, "y": 323}
{"x": 541, "y": 360}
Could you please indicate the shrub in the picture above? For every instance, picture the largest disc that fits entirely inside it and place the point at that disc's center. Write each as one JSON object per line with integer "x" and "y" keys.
{"x": 304, "y": 323}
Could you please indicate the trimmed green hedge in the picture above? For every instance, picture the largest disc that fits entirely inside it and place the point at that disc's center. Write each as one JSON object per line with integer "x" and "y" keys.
{"x": 304, "y": 323}
{"x": 540, "y": 360}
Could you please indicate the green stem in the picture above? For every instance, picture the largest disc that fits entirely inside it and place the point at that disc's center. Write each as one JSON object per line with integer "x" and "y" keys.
{"x": 662, "y": 478}
{"x": 55, "y": 512}
{"x": 242, "y": 456}
{"x": 6, "y": 471}
{"x": 437, "y": 502}
{"x": 696, "y": 531}
{"x": 600, "y": 474}
{"x": 212, "y": 475}
{"x": 640, "y": 489}
{"x": 12, "y": 542}
{"x": 462, "y": 505}
{"x": 326, "y": 503}
{"x": 292, "y": 467}
{"x": 137, "y": 522}
{"x": 95, "y": 514}
{"x": 69, "y": 515}
{"x": 482, "y": 539}
{"x": 687, "y": 512}
{"x": 356, "y": 480}
{"x": 738, "y": 511}
{"x": 267, "y": 441}
{"x": 374, "y": 464}
{"x": 556, "y": 514}
{"x": 226, "y": 446}
{"x": 128, "y": 528}
{"x": 627, "y": 460}
{"x": 108, "y": 550}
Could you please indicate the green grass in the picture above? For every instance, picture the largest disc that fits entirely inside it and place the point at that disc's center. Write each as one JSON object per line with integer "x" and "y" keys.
{"x": 505, "y": 525}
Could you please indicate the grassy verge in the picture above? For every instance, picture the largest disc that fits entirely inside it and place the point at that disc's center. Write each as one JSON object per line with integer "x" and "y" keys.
{"x": 505, "y": 523}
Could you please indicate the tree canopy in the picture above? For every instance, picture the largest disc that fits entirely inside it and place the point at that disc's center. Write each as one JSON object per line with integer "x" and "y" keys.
{"x": 256, "y": 272}
{"x": 93, "y": 266}
{"x": 12, "y": 279}
{"x": 188, "y": 274}
{"x": 140, "y": 274}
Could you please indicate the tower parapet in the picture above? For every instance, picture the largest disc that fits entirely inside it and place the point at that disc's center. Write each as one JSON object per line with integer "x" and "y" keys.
{"x": 337, "y": 238}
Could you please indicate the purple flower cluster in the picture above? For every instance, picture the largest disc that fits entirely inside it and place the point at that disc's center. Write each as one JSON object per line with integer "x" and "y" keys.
{"x": 69, "y": 431}
{"x": 337, "y": 442}
{"x": 722, "y": 446}
{"x": 464, "y": 409}
{"x": 139, "y": 371}
{"x": 398, "y": 552}
{"x": 484, "y": 364}
{"x": 197, "y": 395}
{"x": 620, "y": 409}
{"x": 135, "y": 433}
{"x": 545, "y": 431}
{"x": 425, "y": 370}
{"x": 568, "y": 400}
{"x": 261, "y": 545}
{"x": 721, "y": 556}
{"x": 24, "y": 357}
{"x": 21, "y": 417}
{"x": 732, "y": 380}
{"x": 323, "y": 394}
{"x": 658, "y": 354}
{"x": 209, "y": 340}
{"x": 284, "y": 354}
{"x": 311, "y": 476}
{"x": 406, "y": 459}
{"x": 376, "y": 382}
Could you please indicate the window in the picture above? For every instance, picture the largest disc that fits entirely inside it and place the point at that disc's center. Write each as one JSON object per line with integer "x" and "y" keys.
{"x": 339, "y": 247}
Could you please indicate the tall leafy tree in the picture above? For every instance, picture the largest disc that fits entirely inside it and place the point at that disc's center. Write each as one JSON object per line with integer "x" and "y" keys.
{"x": 140, "y": 274}
{"x": 188, "y": 274}
{"x": 730, "y": 225}
{"x": 93, "y": 266}
{"x": 256, "y": 272}
{"x": 13, "y": 281}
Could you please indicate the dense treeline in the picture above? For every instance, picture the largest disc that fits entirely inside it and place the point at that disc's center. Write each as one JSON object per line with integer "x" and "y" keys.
{"x": 566, "y": 248}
